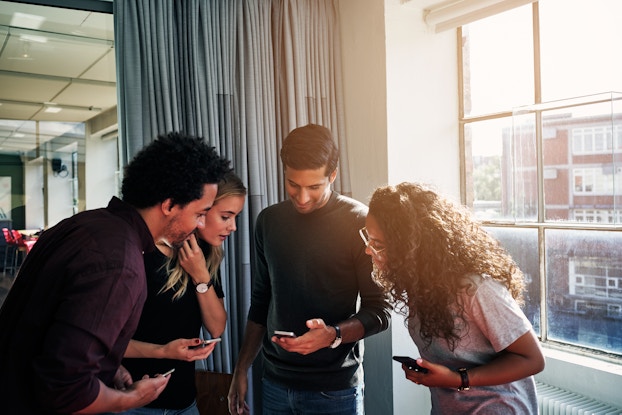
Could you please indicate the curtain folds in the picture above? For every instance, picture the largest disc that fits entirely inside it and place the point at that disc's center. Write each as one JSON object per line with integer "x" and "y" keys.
{"x": 242, "y": 74}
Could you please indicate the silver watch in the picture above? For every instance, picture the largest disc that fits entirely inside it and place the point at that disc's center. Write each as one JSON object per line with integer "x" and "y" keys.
{"x": 204, "y": 286}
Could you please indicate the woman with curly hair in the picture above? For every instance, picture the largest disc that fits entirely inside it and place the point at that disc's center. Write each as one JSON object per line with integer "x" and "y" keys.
{"x": 460, "y": 293}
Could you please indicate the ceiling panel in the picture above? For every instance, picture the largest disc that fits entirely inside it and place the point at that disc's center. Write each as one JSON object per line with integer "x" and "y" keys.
{"x": 28, "y": 88}
{"x": 97, "y": 96}
{"x": 52, "y": 55}
{"x": 33, "y": 52}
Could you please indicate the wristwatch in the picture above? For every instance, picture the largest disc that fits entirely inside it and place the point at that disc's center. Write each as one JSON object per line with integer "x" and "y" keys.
{"x": 464, "y": 378}
{"x": 202, "y": 287}
{"x": 337, "y": 340}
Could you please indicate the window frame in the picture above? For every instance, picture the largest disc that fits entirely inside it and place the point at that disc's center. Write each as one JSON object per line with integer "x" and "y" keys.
{"x": 541, "y": 224}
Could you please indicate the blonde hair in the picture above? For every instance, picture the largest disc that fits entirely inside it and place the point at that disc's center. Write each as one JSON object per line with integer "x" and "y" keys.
{"x": 230, "y": 185}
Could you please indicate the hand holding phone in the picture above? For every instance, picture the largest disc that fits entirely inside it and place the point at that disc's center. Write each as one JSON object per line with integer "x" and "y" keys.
{"x": 281, "y": 333}
{"x": 410, "y": 363}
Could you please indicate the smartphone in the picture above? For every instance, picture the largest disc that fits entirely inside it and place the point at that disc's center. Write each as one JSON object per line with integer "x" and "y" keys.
{"x": 165, "y": 374}
{"x": 410, "y": 363}
{"x": 206, "y": 342}
{"x": 281, "y": 333}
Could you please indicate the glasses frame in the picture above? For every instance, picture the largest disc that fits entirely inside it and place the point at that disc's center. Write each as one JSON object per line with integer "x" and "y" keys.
{"x": 367, "y": 242}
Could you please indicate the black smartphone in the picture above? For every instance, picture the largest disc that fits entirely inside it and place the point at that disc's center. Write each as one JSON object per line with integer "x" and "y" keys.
{"x": 410, "y": 363}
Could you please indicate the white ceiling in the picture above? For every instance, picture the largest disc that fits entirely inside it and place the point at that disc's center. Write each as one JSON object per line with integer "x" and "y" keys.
{"x": 52, "y": 57}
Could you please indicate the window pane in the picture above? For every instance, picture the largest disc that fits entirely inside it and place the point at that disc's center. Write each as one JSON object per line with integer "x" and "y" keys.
{"x": 580, "y": 51}
{"x": 584, "y": 282}
{"x": 522, "y": 244}
{"x": 503, "y": 181}
{"x": 498, "y": 68}
{"x": 581, "y": 161}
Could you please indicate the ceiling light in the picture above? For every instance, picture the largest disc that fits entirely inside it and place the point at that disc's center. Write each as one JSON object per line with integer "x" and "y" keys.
{"x": 30, "y": 21}
{"x": 52, "y": 108}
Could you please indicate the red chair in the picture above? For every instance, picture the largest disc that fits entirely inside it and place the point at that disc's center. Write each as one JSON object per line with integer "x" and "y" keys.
{"x": 9, "y": 252}
{"x": 22, "y": 247}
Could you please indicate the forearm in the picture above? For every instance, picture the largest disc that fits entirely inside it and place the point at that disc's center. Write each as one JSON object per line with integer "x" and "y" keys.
{"x": 213, "y": 313}
{"x": 136, "y": 349}
{"x": 111, "y": 400}
{"x": 251, "y": 346}
{"x": 523, "y": 358}
{"x": 352, "y": 330}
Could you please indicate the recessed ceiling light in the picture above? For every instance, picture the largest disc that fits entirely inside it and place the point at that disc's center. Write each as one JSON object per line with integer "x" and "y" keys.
{"x": 30, "y": 21}
{"x": 53, "y": 110}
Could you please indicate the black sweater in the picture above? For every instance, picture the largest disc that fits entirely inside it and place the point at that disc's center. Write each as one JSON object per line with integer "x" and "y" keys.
{"x": 314, "y": 266}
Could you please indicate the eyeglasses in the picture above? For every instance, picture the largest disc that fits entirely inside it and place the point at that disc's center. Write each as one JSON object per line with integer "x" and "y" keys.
{"x": 368, "y": 242}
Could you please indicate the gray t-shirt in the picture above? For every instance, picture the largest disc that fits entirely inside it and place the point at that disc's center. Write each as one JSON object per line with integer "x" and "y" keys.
{"x": 493, "y": 322}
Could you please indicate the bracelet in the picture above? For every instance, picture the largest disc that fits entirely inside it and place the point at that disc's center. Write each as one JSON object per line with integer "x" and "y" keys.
{"x": 464, "y": 376}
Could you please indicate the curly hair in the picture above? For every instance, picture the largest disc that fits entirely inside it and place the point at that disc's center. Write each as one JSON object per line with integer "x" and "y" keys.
{"x": 175, "y": 166}
{"x": 230, "y": 185}
{"x": 431, "y": 244}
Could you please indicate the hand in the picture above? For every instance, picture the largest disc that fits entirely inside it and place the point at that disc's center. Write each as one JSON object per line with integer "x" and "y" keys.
{"x": 437, "y": 376}
{"x": 122, "y": 379}
{"x": 180, "y": 349}
{"x": 147, "y": 389}
{"x": 237, "y": 394}
{"x": 192, "y": 260}
{"x": 318, "y": 337}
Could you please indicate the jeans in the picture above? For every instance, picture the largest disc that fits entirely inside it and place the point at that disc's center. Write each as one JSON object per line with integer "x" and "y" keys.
{"x": 191, "y": 410}
{"x": 279, "y": 400}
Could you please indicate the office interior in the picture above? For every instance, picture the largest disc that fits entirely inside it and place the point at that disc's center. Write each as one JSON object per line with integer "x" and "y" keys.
{"x": 404, "y": 121}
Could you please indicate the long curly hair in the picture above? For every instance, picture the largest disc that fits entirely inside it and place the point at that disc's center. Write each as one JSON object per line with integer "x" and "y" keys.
{"x": 431, "y": 244}
{"x": 230, "y": 185}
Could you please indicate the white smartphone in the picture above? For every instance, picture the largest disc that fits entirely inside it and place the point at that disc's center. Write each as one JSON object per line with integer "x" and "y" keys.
{"x": 206, "y": 342}
{"x": 165, "y": 374}
{"x": 281, "y": 333}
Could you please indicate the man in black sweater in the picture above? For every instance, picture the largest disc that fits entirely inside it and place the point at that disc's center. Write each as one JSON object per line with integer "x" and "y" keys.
{"x": 310, "y": 270}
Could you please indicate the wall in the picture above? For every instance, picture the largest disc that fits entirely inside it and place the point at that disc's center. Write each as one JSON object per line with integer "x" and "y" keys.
{"x": 364, "y": 80}
{"x": 400, "y": 84}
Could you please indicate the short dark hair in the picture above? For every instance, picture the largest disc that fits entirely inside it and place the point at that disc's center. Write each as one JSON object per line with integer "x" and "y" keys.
{"x": 175, "y": 166}
{"x": 309, "y": 148}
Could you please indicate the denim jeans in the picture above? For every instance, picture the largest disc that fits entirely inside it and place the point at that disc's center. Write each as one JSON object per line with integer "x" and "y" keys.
{"x": 191, "y": 410}
{"x": 279, "y": 400}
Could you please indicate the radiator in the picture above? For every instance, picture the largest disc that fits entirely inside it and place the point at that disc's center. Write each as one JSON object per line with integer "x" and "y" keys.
{"x": 556, "y": 401}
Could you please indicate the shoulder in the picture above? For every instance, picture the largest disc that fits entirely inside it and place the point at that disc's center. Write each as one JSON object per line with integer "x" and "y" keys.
{"x": 355, "y": 207}
{"x": 483, "y": 287}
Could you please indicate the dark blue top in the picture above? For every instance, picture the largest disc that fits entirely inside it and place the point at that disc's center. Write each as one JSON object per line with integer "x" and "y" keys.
{"x": 72, "y": 311}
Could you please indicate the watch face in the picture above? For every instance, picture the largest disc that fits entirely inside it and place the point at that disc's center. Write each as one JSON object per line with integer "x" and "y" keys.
{"x": 202, "y": 287}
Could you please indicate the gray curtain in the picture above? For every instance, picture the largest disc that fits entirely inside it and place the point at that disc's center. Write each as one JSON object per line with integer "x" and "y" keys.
{"x": 242, "y": 74}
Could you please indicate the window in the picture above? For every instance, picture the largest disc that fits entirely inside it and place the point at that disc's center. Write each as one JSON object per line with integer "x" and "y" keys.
{"x": 58, "y": 142}
{"x": 57, "y": 111}
{"x": 542, "y": 140}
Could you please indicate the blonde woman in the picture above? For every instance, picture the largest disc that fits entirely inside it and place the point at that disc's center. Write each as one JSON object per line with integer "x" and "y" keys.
{"x": 184, "y": 293}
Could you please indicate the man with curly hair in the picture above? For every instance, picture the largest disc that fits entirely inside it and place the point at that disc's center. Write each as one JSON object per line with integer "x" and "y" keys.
{"x": 77, "y": 298}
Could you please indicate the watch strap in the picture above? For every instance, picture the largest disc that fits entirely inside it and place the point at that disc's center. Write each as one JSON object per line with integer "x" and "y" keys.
{"x": 464, "y": 377}
{"x": 337, "y": 340}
